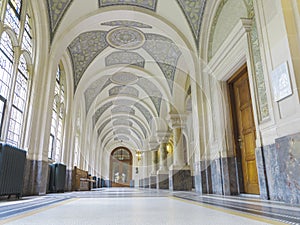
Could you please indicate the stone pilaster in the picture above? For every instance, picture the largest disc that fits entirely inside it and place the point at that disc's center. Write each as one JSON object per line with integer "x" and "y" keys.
{"x": 163, "y": 172}
{"x": 180, "y": 178}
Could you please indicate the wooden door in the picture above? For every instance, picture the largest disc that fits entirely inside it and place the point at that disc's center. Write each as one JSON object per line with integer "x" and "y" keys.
{"x": 244, "y": 129}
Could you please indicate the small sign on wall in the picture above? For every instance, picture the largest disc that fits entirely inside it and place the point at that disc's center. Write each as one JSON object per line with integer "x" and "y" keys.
{"x": 281, "y": 82}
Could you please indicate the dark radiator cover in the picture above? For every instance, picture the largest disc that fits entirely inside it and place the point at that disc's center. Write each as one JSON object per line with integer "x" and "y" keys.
{"x": 12, "y": 163}
{"x": 57, "y": 177}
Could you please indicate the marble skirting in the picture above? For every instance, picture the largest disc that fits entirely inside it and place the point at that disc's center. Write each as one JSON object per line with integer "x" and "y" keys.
{"x": 68, "y": 186}
{"x": 152, "y": 182}
{"x": 108, "y": 183}
{"x": 162, "y": 181}
{"x": 217, "y": 176}
{"x": 146, "y": 182}
{"x": 35, "y": 177}
{"x": 180, "y": 180}
{"x": 282, "y": 164}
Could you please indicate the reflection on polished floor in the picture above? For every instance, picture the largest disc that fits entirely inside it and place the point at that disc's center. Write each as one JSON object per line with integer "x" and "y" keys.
{"x": 121, "y": 206}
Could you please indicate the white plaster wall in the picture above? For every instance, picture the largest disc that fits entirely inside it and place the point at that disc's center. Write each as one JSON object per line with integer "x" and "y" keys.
{"x": 229, "y": 17}
{"x": 280, "y": 42}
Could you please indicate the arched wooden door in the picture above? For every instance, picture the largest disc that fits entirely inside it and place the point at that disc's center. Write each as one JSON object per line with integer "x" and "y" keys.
{"x": 121, "y": 167}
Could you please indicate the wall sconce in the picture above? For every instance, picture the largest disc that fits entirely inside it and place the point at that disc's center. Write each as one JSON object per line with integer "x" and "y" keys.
{"x": 169, "y": 148}
{"x": 138, "y": 154}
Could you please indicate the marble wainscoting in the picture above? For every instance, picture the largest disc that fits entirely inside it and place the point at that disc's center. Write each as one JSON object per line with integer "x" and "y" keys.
{"x": 162, "y": 181}
{"x": 146, "y": 182}
{"x": 108, "y": 183}
{"x": 282, "y": 169}
{"x": 153, "y": 182}
{"x": 180, "y": 180}
{"x": 35, "y": 177}
{"x": 262, "y": 173}
{"x": 201, "y": 179}
{"x": 230, "y": 176}
{"x": 216, "y": 177}
{"x": 68, "y": 185}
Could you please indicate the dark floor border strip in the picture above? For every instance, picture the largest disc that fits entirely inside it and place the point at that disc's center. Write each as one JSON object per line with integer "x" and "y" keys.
{"x": 280, "y": 218}
{"x": 14, "y": 212}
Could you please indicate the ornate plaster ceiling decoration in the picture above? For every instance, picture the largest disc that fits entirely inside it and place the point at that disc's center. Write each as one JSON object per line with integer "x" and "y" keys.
{"x": 123, "y": 109}
{"x": 144, "y": 111}
{"x": 137, "y": 134}
{"x": 121, "y": 138}
{"x": 153, "y": 92}
{"x": 94, "y": 90}
{"x": 121, "y": 131}
{"x": 128, "y": 118}
{"x": 126, "y": 23}
{"x": 165, "y": 52}
{"x": 124, "y": 78}
{"x": 147, "y": 4}
{"x": 100, "y": 111}
{"x": 193, "y": 11}
{"x": 83, "y": 51}
{"x": 123, "y": 123}
{"x": 103, "y": 125}
{"x": 123, "y": 102}
{"x": 124, "y": 90}
{"x": 56, "y": 11}
{"x": 125, "y": 38}
{"x": 125, "y": 58}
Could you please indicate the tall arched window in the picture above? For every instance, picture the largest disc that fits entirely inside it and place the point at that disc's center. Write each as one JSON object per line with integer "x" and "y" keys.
{"x": 6, "y": 69}
{"x": 14, "y": 73}
{"x": 58, "y": 111}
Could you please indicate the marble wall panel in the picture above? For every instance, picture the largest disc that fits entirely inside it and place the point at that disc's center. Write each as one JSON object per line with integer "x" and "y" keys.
{"x": 35, "y": 177}
{"x": 180, "y": 180}
{"x": 216, "y": 177}
{"x": 262, "y": 173}
{"x": 282, "y": 169}
{"x": 163, "y": 181}
{"x": 153, "y": 182}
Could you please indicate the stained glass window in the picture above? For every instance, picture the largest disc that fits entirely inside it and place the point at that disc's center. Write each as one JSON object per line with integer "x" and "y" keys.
{"x": 6, "y": 62}
{"x": 27, "y": 36}
{"x": 12, "y": 16}
{"x": 10, "y": 71}
{"x": 57, "y": 118}
{"x": 19, "y": 102}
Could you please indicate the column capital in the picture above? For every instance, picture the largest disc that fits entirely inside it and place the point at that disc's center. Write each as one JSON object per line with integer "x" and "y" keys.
{"x": 163, "y": 137}
{"x": 177, "y": 120}
{"x": 153, "y": 146}
{"x": 247, "y": 24}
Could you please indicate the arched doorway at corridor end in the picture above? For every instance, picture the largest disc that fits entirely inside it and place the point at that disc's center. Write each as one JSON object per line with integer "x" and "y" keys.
{"x": 121, "y": 167}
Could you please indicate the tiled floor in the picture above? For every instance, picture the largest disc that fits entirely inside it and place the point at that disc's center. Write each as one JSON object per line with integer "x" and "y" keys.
{"x": 137, "y": 207}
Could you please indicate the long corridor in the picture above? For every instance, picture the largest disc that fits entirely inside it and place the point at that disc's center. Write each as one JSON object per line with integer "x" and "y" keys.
{"x": 119, "y": 206}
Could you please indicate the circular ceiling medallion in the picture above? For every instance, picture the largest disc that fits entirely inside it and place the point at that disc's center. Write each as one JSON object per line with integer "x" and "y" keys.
{"x": 124, "y": 78}
{"x": 125, "y": 38}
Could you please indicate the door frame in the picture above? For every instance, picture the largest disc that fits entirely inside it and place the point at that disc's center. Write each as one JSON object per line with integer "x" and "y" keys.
{"x": 234, "y": 123}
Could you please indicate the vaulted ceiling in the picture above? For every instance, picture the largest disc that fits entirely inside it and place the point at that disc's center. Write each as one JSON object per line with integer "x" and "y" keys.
{"x": 130, "y": 61}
